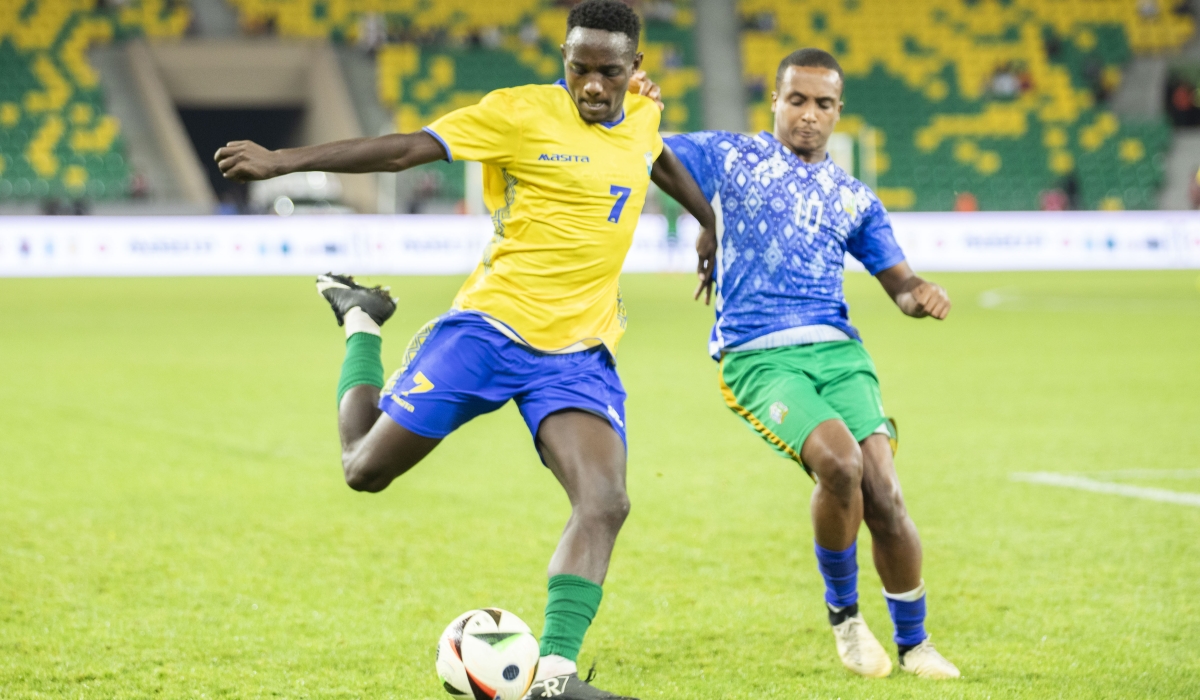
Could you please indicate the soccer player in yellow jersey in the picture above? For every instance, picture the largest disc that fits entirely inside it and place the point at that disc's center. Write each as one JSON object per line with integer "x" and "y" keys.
{"x": 566, "y": 169}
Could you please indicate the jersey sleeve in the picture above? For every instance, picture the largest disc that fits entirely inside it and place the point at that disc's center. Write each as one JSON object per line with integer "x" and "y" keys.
{"x": 486, "y": 132}
{"x": 873, "y": 243}
{"x": 693, "y": 151}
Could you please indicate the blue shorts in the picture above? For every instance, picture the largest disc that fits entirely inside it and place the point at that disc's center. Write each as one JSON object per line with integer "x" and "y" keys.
{"x": 460, "y": 366}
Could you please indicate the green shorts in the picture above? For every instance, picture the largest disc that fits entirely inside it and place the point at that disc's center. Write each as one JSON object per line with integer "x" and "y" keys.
{"x": 785, "y": 393}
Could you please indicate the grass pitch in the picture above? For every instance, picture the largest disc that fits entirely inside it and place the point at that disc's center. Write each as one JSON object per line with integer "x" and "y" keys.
{"x": 173, "y": 520}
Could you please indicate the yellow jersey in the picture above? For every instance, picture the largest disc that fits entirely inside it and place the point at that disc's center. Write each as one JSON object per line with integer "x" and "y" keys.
{"x": 565, "y": 197}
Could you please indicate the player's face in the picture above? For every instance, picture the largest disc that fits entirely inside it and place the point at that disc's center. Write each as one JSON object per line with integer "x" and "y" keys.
{"x": 598, "y": 67}
{"x": 807, "y": 107}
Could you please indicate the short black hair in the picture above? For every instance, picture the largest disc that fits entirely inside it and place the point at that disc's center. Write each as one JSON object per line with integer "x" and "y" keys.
{"x": 808, "y": 58}
{"x": 609, "y": 15}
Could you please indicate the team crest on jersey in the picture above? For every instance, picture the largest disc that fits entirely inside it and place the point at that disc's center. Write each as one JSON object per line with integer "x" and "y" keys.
{"x": 779, "y": 411}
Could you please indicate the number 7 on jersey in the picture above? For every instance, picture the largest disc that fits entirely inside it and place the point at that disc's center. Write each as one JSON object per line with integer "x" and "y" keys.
{"x": 622, "y": 196}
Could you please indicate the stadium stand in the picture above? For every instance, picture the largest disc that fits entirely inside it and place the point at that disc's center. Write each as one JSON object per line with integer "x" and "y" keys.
{"x": 56, "y": 137}
{"x": 437, "y": 55}
{"x": 1001, "y": 99}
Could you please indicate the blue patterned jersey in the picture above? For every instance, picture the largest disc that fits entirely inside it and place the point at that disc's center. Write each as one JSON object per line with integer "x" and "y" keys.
{"x": 783, "y": 229}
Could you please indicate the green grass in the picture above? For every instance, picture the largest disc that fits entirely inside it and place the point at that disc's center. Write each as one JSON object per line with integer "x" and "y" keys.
{"x": 173, "y": 520}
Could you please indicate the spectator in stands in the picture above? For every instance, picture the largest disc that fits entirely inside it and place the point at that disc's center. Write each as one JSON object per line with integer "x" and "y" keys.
{"x": 530, "y": 35}
{"x": 1070, "y": 187}
{"x": 1025, "y": 79}
{"x": 1005, "y": 82}
{"x": 1055, "y": 200}
{"x": 491, "y": 37}
{"x": 1053, "y": 46}
{"x": 965, "y": 201}
{"x": 1194, "y": 190}
{"x": 139, "y": 186}
{"x": 1093, "y": 73}
{"x": 372, "y": 32}
{"x": 1183, "y": 104}
{"x": 1148, "y": 9}
{"x": 759, "y": 22}
{"x": 1183, "y": 8}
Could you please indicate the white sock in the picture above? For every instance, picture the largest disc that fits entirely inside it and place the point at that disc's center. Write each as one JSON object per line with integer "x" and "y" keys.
{"x": 554, "y": 665}
{"x": 357, "y": 321}
{"x": 910, "y": 597}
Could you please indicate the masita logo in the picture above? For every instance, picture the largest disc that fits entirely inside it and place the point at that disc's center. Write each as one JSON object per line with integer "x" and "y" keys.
{"x": 563, "y": 158}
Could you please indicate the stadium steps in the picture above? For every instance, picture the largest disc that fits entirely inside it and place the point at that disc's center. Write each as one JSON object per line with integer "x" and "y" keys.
{"x": 125, "y": 102}
{"x": 1182, "y": 160}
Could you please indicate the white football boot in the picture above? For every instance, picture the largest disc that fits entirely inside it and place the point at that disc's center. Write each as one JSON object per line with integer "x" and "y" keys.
{"x": 861, "y": 652}
{"x": 926, "y": 662}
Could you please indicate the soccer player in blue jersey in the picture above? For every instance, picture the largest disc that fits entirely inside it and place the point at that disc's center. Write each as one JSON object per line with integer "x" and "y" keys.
{"x": 793, "y": 367}
{"x": 566, "y": 170}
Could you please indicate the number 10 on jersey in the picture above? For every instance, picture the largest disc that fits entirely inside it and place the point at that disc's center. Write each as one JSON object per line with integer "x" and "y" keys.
{"x": 622, "y": 197}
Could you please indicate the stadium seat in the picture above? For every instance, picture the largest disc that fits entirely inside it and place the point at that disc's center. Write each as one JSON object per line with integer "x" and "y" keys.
{"x": 56, "y": 138}
{"x": 919, "y": 71}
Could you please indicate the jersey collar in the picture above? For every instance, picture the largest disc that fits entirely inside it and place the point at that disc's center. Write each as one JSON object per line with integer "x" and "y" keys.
{"x": 607, "y": 125}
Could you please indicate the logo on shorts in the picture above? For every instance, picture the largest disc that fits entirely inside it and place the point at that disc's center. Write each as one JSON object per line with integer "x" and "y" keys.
{"x": 421, "y": 384}
{"x": 612, "y": 412}
{"x": 779, "y": 411}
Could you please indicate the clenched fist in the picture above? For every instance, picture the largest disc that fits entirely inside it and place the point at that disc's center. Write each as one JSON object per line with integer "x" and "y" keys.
{"x": 931, "y": 300}
{"x": 243, "y": 161}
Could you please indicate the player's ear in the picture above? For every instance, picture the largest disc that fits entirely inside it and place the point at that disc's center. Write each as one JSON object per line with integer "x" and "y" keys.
{"x": 563, "y": 49}
{"x": 637, "y": 61}
{"x": 774, "y": 97}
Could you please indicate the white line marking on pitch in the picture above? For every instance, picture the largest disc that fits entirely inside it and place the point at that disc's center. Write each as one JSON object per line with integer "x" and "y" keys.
{"x": 1085, "y": 484}
{"x": 1149, "y": 474}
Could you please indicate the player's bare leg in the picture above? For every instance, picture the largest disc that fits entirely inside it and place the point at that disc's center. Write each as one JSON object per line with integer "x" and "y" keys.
{"x": 896, "y": 548}
{"x": 375, "y": 449}
{"x": 895, "y": 545}
{"x": 836, "y": 460}
{"x": 587, "y": 457}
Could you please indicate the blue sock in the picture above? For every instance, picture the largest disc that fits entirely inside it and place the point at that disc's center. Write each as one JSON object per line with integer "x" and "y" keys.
{"x": 840, "y": 571}
{"x": 909, "y": 621}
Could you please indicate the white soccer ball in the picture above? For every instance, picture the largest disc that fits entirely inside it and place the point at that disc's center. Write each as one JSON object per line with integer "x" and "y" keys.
{"x": 487, "y": 654}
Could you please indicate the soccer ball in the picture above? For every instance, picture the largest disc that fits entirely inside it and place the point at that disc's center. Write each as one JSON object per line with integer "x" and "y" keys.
{"x": 487, "y": 654}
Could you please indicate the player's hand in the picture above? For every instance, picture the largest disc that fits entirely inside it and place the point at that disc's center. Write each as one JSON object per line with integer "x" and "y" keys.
{"x": 640, "y": 84}
{"x": 706, "y": 249}
{"x": 931, "y": 300}
{"x": 243, "y": 161}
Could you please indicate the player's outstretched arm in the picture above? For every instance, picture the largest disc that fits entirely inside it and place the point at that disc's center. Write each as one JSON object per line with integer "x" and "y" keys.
{"x": 915, "y": 296}
{"x": 245, "y": 160}
{"x": 674, "y": 179}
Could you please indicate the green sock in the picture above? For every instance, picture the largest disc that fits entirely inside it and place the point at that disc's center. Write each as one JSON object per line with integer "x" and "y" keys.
{"x": 570, "y": 609}
{"x": 363, "y": 363}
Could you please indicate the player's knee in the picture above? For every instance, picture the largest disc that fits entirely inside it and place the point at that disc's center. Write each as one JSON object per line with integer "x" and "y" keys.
{"x": 360, "y": 477}
{"x": 608, "y": 510}
{"x": 841, "y": 471}
{"x": 885, "y": 513}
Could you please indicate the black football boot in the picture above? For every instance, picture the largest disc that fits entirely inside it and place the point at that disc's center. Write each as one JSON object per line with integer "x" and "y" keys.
{"x": 343, "y": 294}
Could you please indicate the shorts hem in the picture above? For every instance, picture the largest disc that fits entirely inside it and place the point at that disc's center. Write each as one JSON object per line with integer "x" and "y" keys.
{"x": 402, "y": 418}
{"x": 860, "y": 435}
